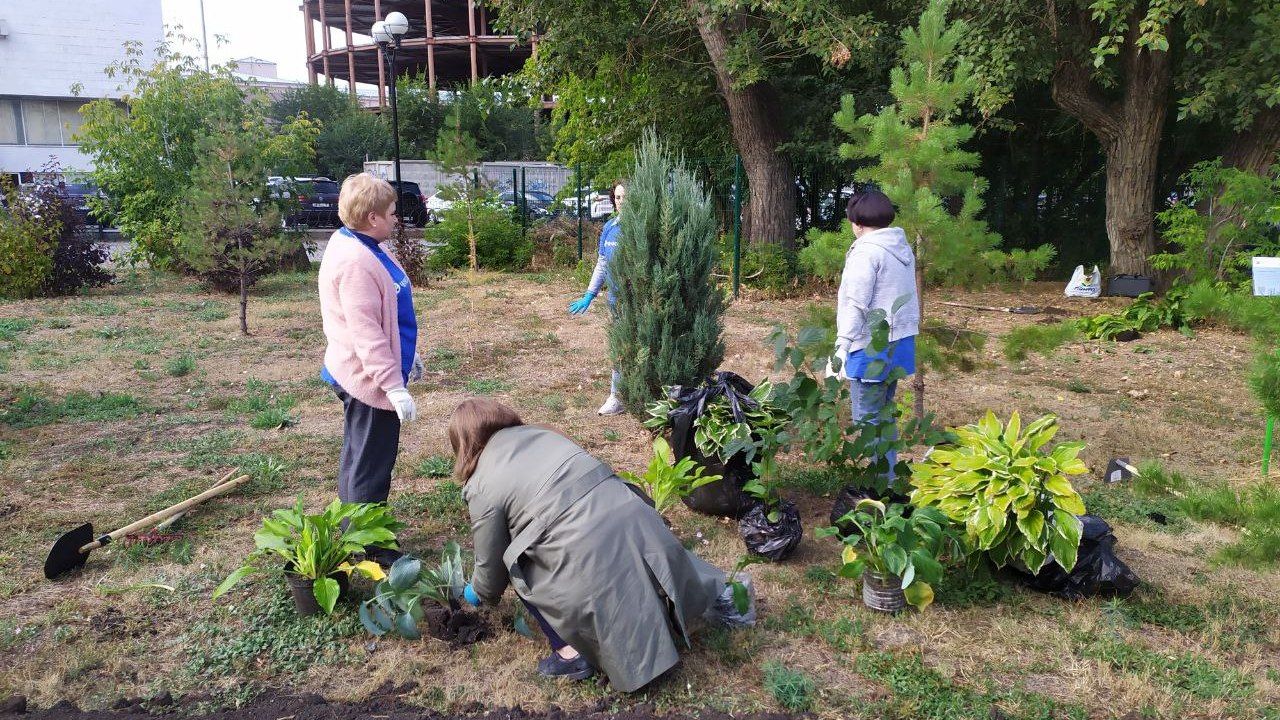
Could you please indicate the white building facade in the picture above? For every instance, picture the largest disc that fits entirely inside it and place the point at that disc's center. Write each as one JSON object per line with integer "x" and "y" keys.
{"x": 47, "y": 47}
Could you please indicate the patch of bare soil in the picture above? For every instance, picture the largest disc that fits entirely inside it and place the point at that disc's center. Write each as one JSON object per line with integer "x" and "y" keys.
{"x": 387, "y": 703}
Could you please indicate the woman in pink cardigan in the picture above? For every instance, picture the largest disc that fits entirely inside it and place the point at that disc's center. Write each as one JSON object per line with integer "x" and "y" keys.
{"x": 366, "y": 302}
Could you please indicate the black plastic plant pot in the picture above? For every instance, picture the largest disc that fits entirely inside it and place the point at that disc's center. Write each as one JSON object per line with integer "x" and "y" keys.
{"x": 775, "y": 541}
{"x": 724, "y": 497}
{"x": 304, "y": 594}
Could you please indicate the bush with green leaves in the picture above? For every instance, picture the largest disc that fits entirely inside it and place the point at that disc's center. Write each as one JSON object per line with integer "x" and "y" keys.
{"x": 666, "y": 480}
{"x": 1042, "y": 339}
{"x": 1015, "y": 500}
{"x": 317, "y": 546}
{"x": 824, "y": 252}
{"x": 499, "y": 243}
{"x": 817, "y": 403}
{"x": 1145, "y": 314}
{"x": 396, "y": 605}
{"x": 880, "y": 538}
{"x": 1226, "y": 217}
{"x": 669, "y": 320}
{"x": 43, "y": 247}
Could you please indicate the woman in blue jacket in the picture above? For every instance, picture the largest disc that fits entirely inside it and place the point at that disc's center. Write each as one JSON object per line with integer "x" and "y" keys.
{"x": 609, "y": 237}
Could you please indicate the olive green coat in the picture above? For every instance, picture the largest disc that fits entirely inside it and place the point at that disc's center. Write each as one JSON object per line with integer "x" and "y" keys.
{"x": 578, "y": 544}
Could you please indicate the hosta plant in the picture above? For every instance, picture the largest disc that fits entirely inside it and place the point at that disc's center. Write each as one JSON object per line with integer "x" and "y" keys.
{"x": 317, "y": 546}
{"x": 882, "y": 540}
{"x": 396, "y": 605}
{"x": 726, "y": 427}
{"x": 666, "y": 480}
{"x": 1011, "y": 492}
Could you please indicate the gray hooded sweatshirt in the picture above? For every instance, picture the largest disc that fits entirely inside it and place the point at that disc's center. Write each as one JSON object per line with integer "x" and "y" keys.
{"x": 878, "y": 269}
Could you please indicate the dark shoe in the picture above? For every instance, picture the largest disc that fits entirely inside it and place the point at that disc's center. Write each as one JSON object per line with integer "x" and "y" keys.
{"x": 556, "y": 666}
{"x": 385, "y": 557}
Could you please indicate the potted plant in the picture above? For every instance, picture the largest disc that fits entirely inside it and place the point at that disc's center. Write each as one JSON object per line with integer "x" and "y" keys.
{"x": 397, "y": 605}
{"x": 896, "y": 556}
{"x": 316, "y": 550}
{"x": 666, "y": 480}
{"x": 719, "y": 425}
{"x": 1014, "y": 499}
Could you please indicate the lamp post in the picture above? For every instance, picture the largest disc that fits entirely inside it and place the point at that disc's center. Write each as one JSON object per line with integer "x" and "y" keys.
{"x": 387, "y": 33}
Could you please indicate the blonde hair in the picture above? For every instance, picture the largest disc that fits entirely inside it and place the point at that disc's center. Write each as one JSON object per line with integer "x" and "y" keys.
{"x": 362, "y": 194}
{"x": 471, "y": 425}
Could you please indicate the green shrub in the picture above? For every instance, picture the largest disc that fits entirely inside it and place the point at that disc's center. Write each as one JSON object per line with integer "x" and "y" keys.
{"x": 823, "y": 254}
{"x": 499, "y": 244}
{"x": 669, "y": 324}
{"x": 29, "y": 230}
{"x": 793, "y": 689}
{"x": 1042, "y": 339}
{"x": 772, "y": 268}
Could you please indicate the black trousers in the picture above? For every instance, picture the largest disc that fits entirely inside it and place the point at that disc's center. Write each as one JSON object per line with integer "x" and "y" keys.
{"x": 370, "y": 441}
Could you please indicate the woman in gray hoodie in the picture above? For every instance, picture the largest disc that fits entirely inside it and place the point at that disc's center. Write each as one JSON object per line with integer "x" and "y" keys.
{"x": 879, "y": 273}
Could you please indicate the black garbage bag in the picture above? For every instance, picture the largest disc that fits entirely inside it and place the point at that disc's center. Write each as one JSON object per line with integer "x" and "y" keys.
{"x": 777, "y": 540}
{"x": 723, "y": 497}
{"x": 847, "y": 499}
{"x": 1097, "y": 572}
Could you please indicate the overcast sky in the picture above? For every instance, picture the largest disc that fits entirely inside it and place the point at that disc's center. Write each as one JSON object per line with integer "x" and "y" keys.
{"x": 268, "y": 29}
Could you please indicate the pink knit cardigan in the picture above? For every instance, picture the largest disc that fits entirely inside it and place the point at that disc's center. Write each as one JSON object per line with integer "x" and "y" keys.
{"x": 358, "y": 306}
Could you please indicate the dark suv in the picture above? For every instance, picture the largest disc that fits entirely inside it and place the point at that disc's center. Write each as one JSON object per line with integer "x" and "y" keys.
{"x": 315, "y": 202}
{"x": 413, "y": 204}
{"x": 77, "y": 195}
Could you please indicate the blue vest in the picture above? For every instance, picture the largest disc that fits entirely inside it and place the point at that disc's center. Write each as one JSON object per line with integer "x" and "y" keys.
{"x": 609, "y": 237}
{"x": 406, "y": 320}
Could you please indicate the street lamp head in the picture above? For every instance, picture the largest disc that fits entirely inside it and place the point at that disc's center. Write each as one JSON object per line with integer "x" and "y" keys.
{"x": 380, "y": 33}
{"x": 397, "y": 24}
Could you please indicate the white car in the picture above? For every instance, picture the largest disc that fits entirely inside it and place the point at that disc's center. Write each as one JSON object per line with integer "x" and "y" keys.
{"x": 437, "y": 204}
{"x": 601, "y": 205}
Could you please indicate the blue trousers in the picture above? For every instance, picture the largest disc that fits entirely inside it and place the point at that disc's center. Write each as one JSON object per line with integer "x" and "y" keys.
{"x": 868, "y": 399}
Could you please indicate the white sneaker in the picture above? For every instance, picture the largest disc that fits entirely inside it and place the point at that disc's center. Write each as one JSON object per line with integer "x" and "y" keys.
{"x": 612, "y": 406}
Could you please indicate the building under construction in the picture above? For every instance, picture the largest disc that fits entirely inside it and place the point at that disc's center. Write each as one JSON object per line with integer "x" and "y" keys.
{"x": 453, "y": 41}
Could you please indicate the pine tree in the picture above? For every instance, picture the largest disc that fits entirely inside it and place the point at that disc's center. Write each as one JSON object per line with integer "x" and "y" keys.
{"x": 921, "y": 167}
{"x": 456, "y": 153}
{"x": 668, "y": 325}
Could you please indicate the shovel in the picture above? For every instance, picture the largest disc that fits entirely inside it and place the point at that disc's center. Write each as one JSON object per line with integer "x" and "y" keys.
{"x": 1016, "y": 310}
{"x": 73, "y": 548}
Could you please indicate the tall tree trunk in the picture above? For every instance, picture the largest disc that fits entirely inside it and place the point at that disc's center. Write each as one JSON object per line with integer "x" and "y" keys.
{"x": 1254, "y": 148}
{"x": 755, "y": 119}
{"x": 1129, "y": 129}
{"x": 244, "y": 291}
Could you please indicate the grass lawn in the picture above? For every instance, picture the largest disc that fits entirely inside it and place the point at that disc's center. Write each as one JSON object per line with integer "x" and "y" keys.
{"x": 124, "y": 400}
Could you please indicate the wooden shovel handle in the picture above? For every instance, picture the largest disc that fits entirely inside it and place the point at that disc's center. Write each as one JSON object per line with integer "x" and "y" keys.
{"x": 183, "y": 506}
{"x": 178, "y": 516}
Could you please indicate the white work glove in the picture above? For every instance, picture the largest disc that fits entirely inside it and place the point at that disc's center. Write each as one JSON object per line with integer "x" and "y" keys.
{"x": 415, "y": 370}
{"x": 402, "y": 401}
{"x": 835, "y": 372}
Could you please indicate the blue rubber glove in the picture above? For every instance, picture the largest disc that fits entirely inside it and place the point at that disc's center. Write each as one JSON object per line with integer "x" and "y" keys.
{"x": 580, "y": 306}
{"x": 469, "y": 595}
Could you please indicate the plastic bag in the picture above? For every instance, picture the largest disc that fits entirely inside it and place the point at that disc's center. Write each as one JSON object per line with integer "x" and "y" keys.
{"x": 725, "y": 612}
{"x": 1097, "y": 572}
{"x": 848, "y": 498}
{"x": 1083, "y": 284}
{"x": 777, "y": 540}
{"x": 723, "y": 497}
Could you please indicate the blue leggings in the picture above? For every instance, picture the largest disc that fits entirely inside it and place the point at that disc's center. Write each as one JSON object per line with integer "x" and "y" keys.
{"x": 552, "y": 638}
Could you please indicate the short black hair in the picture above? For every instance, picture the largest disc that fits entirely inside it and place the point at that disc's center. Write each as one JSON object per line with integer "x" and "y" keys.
{"x": 871, "y": 209}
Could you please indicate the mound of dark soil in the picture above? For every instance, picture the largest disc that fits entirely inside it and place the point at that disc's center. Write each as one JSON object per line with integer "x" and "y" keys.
{"x": 387, "y": 703}
{"x": 456, "y": 627}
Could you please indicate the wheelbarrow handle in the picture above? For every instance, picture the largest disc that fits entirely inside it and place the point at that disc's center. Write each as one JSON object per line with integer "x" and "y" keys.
{"x": 155, "y": 517}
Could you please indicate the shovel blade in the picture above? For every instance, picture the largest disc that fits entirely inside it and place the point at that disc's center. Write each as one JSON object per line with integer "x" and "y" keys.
{"x": 66, "y": 554}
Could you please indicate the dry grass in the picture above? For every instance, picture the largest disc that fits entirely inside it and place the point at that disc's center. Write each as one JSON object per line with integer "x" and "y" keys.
{"x": 102, "y": 634}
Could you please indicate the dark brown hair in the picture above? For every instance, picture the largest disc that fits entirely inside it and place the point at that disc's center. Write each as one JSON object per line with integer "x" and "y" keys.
{"x": 870, "y": 209}
{"x": 471, "y": 425}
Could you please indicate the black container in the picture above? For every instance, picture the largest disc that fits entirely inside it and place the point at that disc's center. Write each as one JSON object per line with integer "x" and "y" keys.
{"x": 303, "y": 589}
{"x": 1129, "y": 285}
{"x": 724, "y": 497}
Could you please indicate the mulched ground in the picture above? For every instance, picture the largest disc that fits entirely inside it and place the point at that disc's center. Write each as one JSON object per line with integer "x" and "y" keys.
{"x": 385, "y": 704}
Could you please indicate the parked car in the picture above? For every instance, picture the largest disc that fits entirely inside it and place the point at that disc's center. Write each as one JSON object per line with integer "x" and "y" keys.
{"x": 536, "y": 208}
{"x": 595, "y": 205}
{"x": 437, "y": 204}
{"x": 77, "y": 194}
{"x": 314, "y": 200}
{"x": 413, "y": 204}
